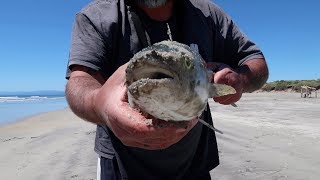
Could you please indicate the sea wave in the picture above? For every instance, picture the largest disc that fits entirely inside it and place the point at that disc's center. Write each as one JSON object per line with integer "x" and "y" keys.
{"x": 4, "y": 99}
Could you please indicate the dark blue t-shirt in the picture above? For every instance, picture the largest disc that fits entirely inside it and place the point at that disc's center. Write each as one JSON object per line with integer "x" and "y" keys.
{"x": 104, "y": 37}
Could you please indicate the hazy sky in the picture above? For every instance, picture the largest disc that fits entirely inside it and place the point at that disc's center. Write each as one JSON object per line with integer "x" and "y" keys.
{"x": 35, "y": 39}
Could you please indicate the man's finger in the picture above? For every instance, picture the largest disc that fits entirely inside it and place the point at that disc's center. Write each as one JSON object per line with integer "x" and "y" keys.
{"x": 226, "y": 100}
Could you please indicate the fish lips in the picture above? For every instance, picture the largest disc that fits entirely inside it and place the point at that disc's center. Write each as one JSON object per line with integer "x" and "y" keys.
{"x": 146, "y": 87}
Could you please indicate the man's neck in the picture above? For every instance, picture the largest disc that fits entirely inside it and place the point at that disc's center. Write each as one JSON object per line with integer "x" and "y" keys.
{"x": 161, "y": 13}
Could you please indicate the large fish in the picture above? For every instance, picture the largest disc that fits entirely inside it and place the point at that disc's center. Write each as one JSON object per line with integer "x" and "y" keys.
{"x": 170, "y": 81}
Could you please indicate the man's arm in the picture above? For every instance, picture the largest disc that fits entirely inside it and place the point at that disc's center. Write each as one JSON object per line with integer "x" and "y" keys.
{"x": 81, "y": 90}
{"x": 246, "y": 78}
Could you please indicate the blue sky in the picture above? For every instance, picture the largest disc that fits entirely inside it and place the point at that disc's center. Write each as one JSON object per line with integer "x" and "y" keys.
{"x": 35, "y": 39}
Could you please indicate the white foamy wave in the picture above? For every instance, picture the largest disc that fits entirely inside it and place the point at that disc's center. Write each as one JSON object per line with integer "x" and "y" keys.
{"x": 22, "y": 99}
{"x": 37, "y": 97}
{"x": 11, "y": 99}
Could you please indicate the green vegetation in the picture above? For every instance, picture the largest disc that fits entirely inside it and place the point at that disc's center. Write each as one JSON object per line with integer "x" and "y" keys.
{"x": 290, "y": 85}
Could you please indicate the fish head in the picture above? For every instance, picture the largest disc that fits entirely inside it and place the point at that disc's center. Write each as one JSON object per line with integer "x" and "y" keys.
{"x": 169, "y": 81}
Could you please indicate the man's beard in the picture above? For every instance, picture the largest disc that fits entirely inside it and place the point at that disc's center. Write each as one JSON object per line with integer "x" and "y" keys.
{"x": 151, "y": 3}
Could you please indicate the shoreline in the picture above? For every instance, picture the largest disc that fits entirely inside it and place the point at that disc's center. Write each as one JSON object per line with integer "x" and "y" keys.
{"x": 12, "y": 122}
{"x": 14, "y": 110}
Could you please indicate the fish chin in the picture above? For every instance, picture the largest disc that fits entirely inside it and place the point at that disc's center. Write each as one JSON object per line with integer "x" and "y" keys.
{"x": 160, "y": 98}
{"x": 165, "y": 99}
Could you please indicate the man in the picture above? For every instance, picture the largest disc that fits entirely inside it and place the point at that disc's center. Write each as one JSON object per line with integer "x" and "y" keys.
{"x": 106, "y": 34}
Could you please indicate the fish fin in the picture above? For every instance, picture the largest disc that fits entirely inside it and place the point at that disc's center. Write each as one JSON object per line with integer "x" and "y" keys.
{"x": 210, "y": 126}
{"x": 216, "y": 90}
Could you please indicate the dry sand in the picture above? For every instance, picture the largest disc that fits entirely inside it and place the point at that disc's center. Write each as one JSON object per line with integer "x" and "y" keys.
{"x": 269, "y": 136}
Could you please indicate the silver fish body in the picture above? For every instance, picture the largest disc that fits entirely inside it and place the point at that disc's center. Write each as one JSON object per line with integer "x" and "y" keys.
{"x": 169, "y": 81}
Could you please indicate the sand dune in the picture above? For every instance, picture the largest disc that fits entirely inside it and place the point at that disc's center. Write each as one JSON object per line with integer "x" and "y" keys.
{"x": 269, "y": 136}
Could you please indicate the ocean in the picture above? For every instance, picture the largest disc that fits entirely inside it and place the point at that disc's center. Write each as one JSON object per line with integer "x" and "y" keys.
{"x": 13, "y": 108}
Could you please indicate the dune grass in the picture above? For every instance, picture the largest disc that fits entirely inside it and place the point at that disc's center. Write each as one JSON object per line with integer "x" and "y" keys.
{"x": 294, "y": 85}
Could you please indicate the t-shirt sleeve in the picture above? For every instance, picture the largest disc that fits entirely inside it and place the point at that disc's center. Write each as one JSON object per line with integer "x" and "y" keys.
{"x": 237, "y": 47}
{"x": 88, "y": 46}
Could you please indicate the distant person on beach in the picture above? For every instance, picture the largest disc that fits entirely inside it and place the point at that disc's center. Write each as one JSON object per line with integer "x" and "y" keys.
{"x": 106, "y": 34}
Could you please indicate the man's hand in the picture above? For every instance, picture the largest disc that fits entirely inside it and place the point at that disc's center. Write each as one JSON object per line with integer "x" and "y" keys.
{"x": 248, "y": 77}
{"x": 226, "y": 75}
{"x": 128, "y": 124}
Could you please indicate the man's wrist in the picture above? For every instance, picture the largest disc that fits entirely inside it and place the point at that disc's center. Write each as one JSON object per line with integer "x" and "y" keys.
{"x": 244, "y": 82}
{"x": 244, "y": 78}
{"x": 92, "y": 100}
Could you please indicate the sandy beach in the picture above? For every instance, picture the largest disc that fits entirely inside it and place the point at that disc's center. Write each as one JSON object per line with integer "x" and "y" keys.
{"x": 54, "y": 145}
{"x": 268, "y": 136}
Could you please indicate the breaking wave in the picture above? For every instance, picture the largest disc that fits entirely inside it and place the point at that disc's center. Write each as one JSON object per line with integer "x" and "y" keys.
{"x": 8, "y": 99}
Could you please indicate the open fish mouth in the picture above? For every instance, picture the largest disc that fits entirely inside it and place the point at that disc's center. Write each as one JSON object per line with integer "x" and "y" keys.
{"x": 154, "y": 74}
{"x": 152, "y": 71}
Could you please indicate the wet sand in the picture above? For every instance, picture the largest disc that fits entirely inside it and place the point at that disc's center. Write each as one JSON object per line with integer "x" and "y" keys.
{"x": 268, "y": 136}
